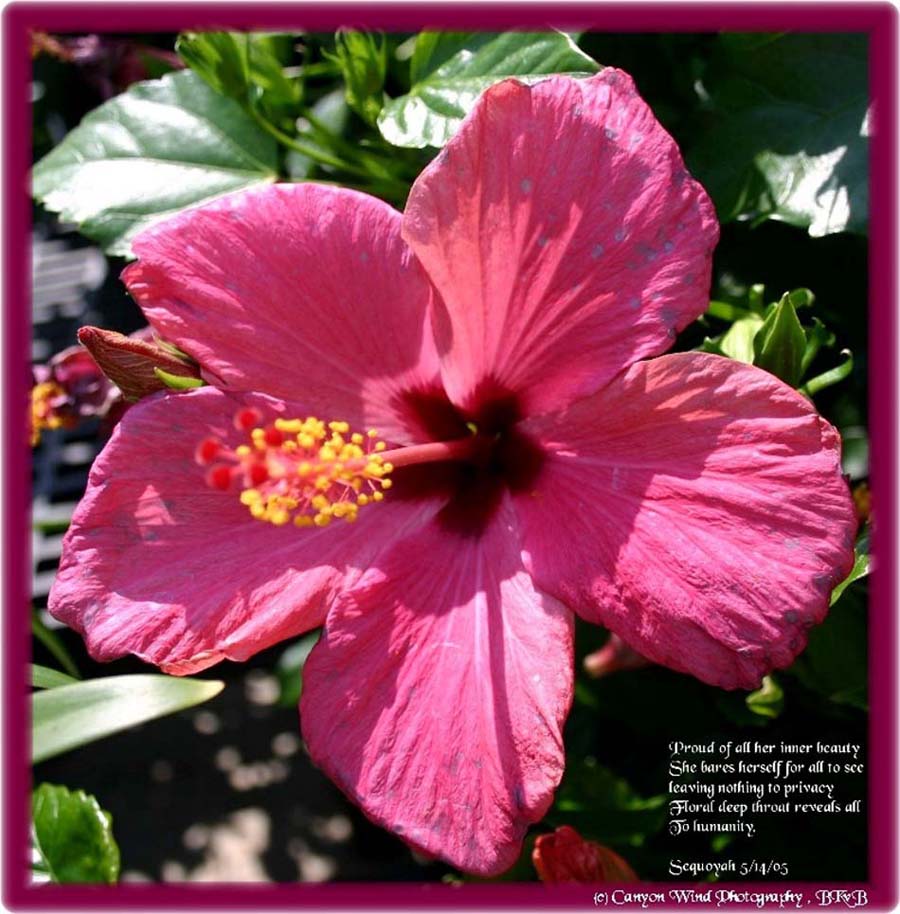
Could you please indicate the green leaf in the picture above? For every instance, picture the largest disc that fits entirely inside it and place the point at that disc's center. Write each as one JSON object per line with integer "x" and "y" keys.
{"x": 726, "y": 311}
{"x": 72, "y": 837}
{"x": 289, "y": 669}
{"x": 817, "y": 336}
{"x": 362, "y": 58}
{"x": 176, "y": 381}
{"x": 786, "y": 133}
{"x": 450, "y": 70}
{"x": 831, "y": 377}
{"x": 159, "y": 147}
{"x": 737, "y": 342}
{"x": 73, "y": 715}
{"x": 52, "y": 642}
{"x": 604, "y": 807}
{"x": 855, "y": 452}
{"x": 248, "y": 67}
{"x": 861, "y": 567}
{"x": 834, "y": 663}
{"x": 328, "y": 120}
{"x": 768, "y": 700}
{"x": 42, "y": 677}
{"x": 780, "y": 343}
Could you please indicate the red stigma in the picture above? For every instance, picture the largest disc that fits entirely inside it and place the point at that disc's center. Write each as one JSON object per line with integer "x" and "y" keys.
{"x": 246, "y": 418}
{"x": 273, "y": 437}
{"x": 219, "y": 477}
{"x": 207, "y": 451}
{"x": 258, "y": 474}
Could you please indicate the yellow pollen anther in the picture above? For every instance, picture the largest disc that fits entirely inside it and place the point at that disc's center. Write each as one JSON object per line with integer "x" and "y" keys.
{"x": 303, "y": 472}
{"x": 43, "y": 414}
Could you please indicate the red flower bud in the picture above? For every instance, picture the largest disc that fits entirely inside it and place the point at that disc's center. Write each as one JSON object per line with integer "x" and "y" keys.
{"x": 615, "y": 655}
{"x": 129, "y": 361}
{"x": 564, "y": 856}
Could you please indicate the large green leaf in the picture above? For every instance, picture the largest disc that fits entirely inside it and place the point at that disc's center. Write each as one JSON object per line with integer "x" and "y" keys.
{"x": 786, "y": 133}
{"x": 159, "y": 147}
{"x": 247, "y": 66}
{"x": 73, "y": 715}
{"x": 449, "y": 70}
{"x": 72, "y": 837}
{"x": 42, "y": 677}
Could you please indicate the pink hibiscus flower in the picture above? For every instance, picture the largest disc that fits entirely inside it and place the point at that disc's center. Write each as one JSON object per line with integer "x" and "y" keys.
{"x": 494, "y": 335}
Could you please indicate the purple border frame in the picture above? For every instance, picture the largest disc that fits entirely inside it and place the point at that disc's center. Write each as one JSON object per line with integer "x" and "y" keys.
{"x": 879, "y": 20}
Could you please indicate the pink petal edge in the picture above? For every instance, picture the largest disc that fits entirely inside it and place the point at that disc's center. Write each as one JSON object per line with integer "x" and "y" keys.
{"x": 436, "y": 696}
{"x": 696, "y": 508}
{"x": 303, "y": 292}
{"x": 157, "y": 564}
{"x": 565, "y": 236}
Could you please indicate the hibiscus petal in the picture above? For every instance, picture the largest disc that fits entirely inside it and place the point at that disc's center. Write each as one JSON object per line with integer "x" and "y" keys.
{"x": 304, "y": 292}
{"x": 159, "y": 565}
{"x": 437, "y": 693}
{"x": 696, "y": 507}
{"x": 565, "y": 236}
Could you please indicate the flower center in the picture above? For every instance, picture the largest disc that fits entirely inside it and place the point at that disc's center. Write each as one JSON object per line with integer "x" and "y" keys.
{"x": 309, "y": 472}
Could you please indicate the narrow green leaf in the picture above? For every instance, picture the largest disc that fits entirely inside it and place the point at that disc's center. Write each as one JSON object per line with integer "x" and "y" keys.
{"x": 829, "y": 378}
{"x": 52, "y": 642}
{"x": 159, "y": 147}
{"x": 756, "y": 297}
{"x": 73, "y": 715}
{"x": 861, "y": 567}
{"x": 248, "y": 67}
{"x": 726, "y": 311}
{"x": 768, "y": 699}
{"x": 802, "y": 298}
{"x": 450, "y": 70}
{"x": 42, "y": 677}
{"x": 362, "y": 58}
{"x": 780, "y": 343}
{"x": 177, "y": 382}
{"x": 817, "y": 336}
{"x": 72, "y": 837}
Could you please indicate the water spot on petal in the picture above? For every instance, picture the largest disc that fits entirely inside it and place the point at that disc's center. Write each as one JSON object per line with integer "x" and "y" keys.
{"x": 648, "y": 253}
{"x": 577, "y": 112}
{"x": 597, "y": 251}
{"x": 543, "y": 241}
{"x": 634, "y": 303}
{"x": 635, "y": 139}
{"x": 525, "y": 185}
{"x": 791, "y": 616}
{"x": 668, "y": 247}
{"x": 364, "y": 256}
{"x": 610, "y": 133}
{"x": 620, "y": 234}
